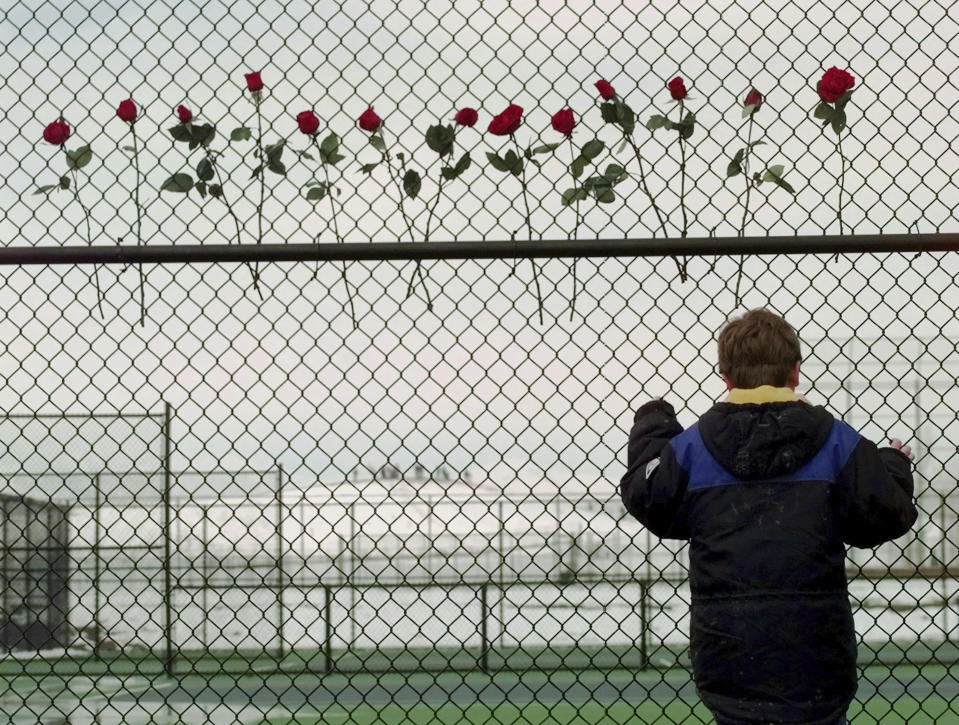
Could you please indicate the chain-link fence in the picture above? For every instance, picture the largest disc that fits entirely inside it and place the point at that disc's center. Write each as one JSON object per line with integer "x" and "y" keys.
{"x": 340, "y": 497}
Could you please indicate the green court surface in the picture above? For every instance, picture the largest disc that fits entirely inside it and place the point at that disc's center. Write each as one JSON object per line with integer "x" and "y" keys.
{"x": 907, "y": 694}
{"x": 904, "y": 710}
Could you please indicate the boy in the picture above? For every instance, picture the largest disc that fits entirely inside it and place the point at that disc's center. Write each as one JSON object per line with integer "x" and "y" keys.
{"x": 767, "y": 488}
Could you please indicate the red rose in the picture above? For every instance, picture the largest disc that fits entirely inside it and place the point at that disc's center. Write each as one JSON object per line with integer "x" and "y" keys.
{"x": 254, "y": 82}
{"x": 184, "y": 114}
{"x": 369, "y": 121}
{"x": 308, "y": 122}
{"x": 605, "y": 90}
{"x": 506, "y": 123}
{"x": 127, "y": 111}
{"x": 677, "y": 88}
{"x": 753, "y": 98}
{"x": 563, "y": 122}
{"x": 466, "y": 117}
{"x": 834, "y": 84}
{"x": 56, "y": 133}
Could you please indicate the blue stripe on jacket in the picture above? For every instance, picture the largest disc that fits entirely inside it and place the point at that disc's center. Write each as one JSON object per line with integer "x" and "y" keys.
{"x": 705, "y": 472}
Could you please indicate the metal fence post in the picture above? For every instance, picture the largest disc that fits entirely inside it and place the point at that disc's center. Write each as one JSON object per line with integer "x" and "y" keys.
{"x": 643, "y": 626}
{"x": 328, "y": 623}
{"x": 484, "y": 631}
{"x": 97, "y": 535}
{"x": 279, "y": 561}
{"x": 169, "y": 657}
{"x": 205, "y": 584}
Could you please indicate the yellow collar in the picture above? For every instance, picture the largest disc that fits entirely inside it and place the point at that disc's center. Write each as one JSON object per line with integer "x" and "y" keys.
{"x": 762, "y": 394}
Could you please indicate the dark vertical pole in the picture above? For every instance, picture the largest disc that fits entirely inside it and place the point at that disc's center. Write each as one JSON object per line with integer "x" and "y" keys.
{"x": 279, "y": 558}
{"x": 644, "y": 627}
{"x": 328, "y": 641}
{"x": 484, "y": 630}
{"x": 167, "y": 554}
{"x": 97, "y": 535}
{"x": 4, "y": 572}
{"x": 205, "y": 579}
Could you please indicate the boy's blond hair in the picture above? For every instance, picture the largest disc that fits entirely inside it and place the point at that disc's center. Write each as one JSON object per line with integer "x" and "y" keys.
{"x": 759, "y": 348}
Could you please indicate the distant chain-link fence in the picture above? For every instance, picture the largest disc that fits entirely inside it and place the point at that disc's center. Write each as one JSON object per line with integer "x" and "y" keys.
{"x": 328, "y": 499}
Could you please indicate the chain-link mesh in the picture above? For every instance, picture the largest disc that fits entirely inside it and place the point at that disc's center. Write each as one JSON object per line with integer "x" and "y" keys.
{"x": 250, "y": 509}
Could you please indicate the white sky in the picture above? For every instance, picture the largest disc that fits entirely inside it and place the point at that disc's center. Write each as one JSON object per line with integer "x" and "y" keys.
{"x": 479, "y": 383}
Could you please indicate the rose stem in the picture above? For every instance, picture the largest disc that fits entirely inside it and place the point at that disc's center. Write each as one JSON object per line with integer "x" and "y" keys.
{"x": 229, "y": 208}
{"x": 86, "y": 212}
{"x": 682, "y": 188}
{"x": 529, "y": 225}
{"x": 652, "y": 200}
{"x": 749, "y": 186}
{"x": 572, "y": 304}
{"x": 259, "y": 209}
{"x": 409, "y": 226}
{"x": 136, "y": 201}
{"x": 842, "y": 182}
{"x": 336, "y": 231}
{"x": 429, "y": 219}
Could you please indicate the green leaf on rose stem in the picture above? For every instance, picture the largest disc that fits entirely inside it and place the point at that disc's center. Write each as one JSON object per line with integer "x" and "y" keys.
{"x": 547, "y": 148}
{"x": 496, "y": 162}
{"x": 577, "y": 167}
{"x": 256, "y": 171}
{"x": 843, "y": 100}
{"x": 129, "y": 148}
{"x": 625, "y": 117}
{"x": 839, "y": 121}
{"x": 514, "y": 163}
{"x": 757, "y": 143}
{"x": 608, "y": 111}
{"x": 304, "y": 154}
{"x": 201, "y": 187}
{"x": 64, "y": 182}
{"x": 687, "y": 125}
{"x": 734, "y": 169}
{"x": 45, "y": 189}
{"x": 180, "y": 133}
{"x": 180, "y": 183}
{"x": 448, "y": 173}
{"x": 739, "y": 156}
{"x": 79, "y": 158}
{"x": 785, "y": 185}
{"x": 329, "y": 145}
{"x": 605, "y": 195}
{"x": 316, "y": 193}
{"x": 528, "y": 153}
{"x": 622, "y": 145}
{"x": 368, "y": 168}
{"x": 658, "y": 121}
{"x": 277, "y": 167}
{"x": 774, "y": 172}
{"x": 574, "y": 194}
{"x": 312, "y": 182}
{"x": 464, "y": 163}
{"x": 204, "y": 170}
{"x": 202, "y": 135}
{"x": 275, "y": 151}
{"x": 334, "y": 159}
{"x": 440, "y": 138}
{"x": 615, "y": 174}
{"x": 749, "y": 109}
{"x": 823, "y": 111}
{"x": 412, "y": 183}
{"x": 238, "y": 134}
{"x": 400, "y": 156}
{"x": 592, "y": 149}
{"x": 377, "y": 142}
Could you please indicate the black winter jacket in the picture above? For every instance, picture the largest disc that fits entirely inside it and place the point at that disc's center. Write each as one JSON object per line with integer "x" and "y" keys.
{"x": 767, "y": 494}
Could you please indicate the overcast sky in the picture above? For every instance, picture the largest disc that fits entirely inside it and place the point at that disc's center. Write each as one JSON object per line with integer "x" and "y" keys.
{"x": 478, "y": 383}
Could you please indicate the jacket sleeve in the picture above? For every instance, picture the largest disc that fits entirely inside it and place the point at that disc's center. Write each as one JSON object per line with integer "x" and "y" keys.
{"x": 874, "y": 491}
{"x": 654, "y": 485}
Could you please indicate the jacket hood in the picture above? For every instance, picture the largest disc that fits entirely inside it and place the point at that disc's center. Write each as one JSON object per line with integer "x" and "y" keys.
{"x": 764, "y": 440}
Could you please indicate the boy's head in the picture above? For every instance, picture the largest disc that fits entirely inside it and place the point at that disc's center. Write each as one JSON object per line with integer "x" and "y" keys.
{"x": 759, "y": 348}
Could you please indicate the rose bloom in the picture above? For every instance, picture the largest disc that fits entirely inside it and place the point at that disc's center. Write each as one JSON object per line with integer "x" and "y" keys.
{"x": 56, "y": 133}
{"x": 563, "y": 122}
{"x": 677, "y": 88}
{"x": 308, "y": 122}
{"x": 506, "y": 123}
{"x": 254, "y": 82}
{"x": 369, "y": 121}
{"x": 834, "y": 84}
{"x": 466, "y": 117}
{"x": 753, "y": 98}
{"x": 605, "y": 90}
{"x": 127, "y": 111}
{"x": 184, "y": 114}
